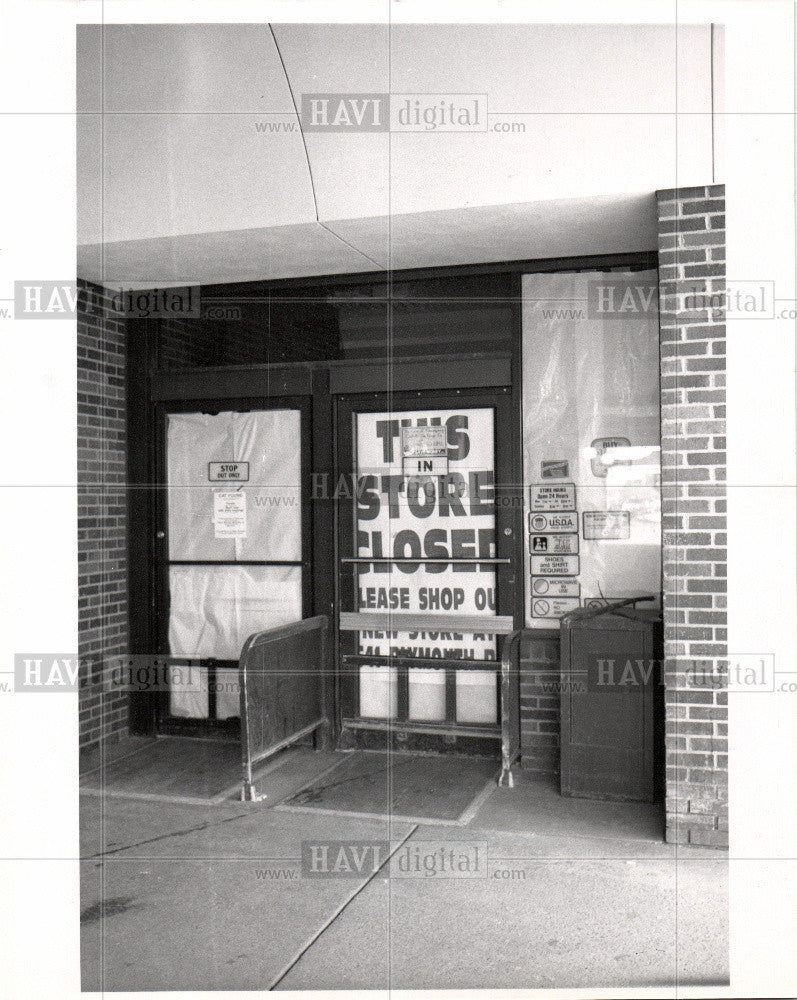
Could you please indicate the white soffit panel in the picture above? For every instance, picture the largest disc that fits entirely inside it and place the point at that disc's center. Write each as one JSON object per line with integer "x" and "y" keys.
{"x": 185, "y": 143}
{"x": 342, "y": 59}
{"x": 211, "y": 258}
{"x": 596, "y": 103}
{"x": 568, "y": 228}
{"x": 178, "y": 183}
{"x": 431, "y": 239}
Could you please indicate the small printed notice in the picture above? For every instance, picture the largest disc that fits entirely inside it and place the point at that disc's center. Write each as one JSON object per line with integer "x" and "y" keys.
{"x": 228, "y": 472}
{"x": 558, "y": 544}
{"x": 229, "y": 514}
{"x": 545, "y": 586}
{"x": 605, "y": 525}
{"x": 553, "y": 496}
{"x": 424, "y": 450}
{"x": 554, "y": 469}
{"x": 553, "y": 522}
{"x": 554, "y": 565}
{"x": 553, "y": 607}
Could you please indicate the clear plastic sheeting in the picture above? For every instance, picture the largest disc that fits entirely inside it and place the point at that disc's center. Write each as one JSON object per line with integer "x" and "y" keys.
{"x": 233, "y": 495}
{"x": 188, "y": 692}
{"x": 427, "y": 694}
{"x": 189, "y": 698}
{"x": 198, "y": 445}
{"x": 590, "y": 419}
{"x": 228, "y": 694}
{"x": 192, "y": 441}
{"x": 477, "y": 696}
{"x": 378, "y": 692}
{"x": 214, "y": 610}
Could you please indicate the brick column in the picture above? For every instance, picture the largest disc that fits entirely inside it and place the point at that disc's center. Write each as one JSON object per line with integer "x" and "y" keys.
{"x": 102, "y": 520}
{"x": 539, "y": 703}
{"x": 691, "y": 229}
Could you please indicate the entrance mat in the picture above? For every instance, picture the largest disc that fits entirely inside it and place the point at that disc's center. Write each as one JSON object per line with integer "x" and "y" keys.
{"x": 170, "y": 768}
{"x": 411, "y": 787}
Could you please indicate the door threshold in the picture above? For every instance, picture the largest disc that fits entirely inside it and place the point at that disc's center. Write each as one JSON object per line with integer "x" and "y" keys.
{"x": 196, "y": 737}
{"x": 492, "y": 732}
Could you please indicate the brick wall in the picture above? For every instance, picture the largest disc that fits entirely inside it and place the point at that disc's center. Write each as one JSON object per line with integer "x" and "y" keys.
{"x": 102, "y": 538}
{"x": 539, "y": 704}
{"x": 691, "y": 267}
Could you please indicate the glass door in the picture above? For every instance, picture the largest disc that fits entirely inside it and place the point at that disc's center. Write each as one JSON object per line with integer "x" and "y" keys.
{"x": 425, "y": 566}
{"x": 232, "y": 548}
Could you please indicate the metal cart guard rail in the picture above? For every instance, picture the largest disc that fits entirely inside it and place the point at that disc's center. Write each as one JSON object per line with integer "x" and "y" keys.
{"x": 510, "y": 706}
{"x": 283, "y": 681}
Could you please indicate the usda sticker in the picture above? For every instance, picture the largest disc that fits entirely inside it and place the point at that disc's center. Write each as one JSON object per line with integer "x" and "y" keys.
{"x": 552, "y": 523}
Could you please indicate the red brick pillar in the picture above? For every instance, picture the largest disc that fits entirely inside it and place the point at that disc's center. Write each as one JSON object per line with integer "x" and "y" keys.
{"x": 691, "y": 230}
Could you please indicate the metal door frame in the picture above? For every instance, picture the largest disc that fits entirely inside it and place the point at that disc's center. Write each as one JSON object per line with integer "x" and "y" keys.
{"x": 163, "y": 722}
{"x": 508, "y": 539}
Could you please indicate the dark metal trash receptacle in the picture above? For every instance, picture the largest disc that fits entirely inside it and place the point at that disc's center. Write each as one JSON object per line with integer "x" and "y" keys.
{"x": 611, "y": 702}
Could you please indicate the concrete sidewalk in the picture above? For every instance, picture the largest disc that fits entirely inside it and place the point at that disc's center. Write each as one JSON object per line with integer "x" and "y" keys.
{"x": 575, "y": 894}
